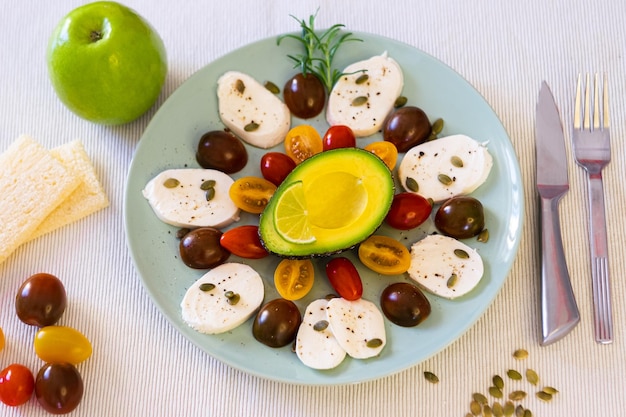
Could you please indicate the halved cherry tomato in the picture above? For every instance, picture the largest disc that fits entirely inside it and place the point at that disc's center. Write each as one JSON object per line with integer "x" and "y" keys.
{"x": 244, "y": 241}
{"x": 302, "y": 142}
{"x": 386, "y": 151}
{"x": 61, "y": 344}
{"x": 384, "y": 255}
{"x": 275, "y": 166}
{"x": 251, "y": 194}
{"x": 16, "y": 385}
{"x": 344, "y": 278}
{"x": 294, "y": 278}
{"x": 338, "y": 136}
{"x": 408, "y": 210}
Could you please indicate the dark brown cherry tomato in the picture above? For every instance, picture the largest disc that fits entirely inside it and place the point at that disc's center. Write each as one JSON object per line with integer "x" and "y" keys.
{"x": 244, "y": 241}
{"x": 408, "y": 210}
{"x": 304, "y": 95}
{"x": 16, "y": 385}
{"x": 275, "y": 166}
{"x": 201, "y": 249}
{"x": 404, "y": 304}
{"x": 460, "y": 217}
{"x": 406, "y": 127}
{"x": 41, "y": 300}
{"x": 59, "y": 387}
{"x": 221, "y": 150}
{"x": 277, "y": 323}
{"x": 338, "y": 136}
{"x": 344, "y": 278}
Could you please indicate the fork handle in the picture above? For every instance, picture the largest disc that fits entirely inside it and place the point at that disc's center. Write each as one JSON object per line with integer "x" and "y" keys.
{"x": 603, "y": 320}
{"x": 559, "y": 312}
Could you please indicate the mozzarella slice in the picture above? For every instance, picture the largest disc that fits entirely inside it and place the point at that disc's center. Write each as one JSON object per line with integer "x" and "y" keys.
{"x": 178, "y": 198}
{"x": 206, "y": 308}
{"x": 346, "y": 105}
{"x": 243, "y": 102}
{"x": 445, "y": 266}
{"x": 459, "y": 158}
{"x": 316, "y": 345}
{"x": 358, "y": 326}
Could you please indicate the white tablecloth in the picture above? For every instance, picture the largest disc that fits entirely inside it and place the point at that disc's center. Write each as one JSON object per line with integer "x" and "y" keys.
{"x": 141, "y": 366}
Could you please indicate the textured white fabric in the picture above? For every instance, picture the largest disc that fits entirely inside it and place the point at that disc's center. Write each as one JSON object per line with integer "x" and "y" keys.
{"x": 141, "y": 366}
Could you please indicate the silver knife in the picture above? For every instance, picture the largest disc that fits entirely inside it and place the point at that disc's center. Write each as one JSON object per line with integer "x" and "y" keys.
{"x": 559, "y": 312}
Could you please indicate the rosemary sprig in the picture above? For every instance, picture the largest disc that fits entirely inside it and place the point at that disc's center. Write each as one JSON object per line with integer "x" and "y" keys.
{"x": 319, "y": 50}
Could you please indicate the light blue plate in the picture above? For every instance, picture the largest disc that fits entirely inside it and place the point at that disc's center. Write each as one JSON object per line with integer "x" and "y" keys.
{"x": 170, "y": 141}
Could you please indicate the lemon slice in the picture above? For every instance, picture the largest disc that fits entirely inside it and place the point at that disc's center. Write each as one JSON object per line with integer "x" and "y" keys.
{"x": 291, "y": 217}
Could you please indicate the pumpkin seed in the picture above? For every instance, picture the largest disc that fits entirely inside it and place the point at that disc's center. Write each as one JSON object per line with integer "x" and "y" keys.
{"x": 240, "y": 86}
{"x": 452, "y": 280}
{"x": 362, "y": 78}
{"x": 171, "y": 183}
{"x": 550, "y": 390}
{"x": 519, "y": 411}
{"x": 517, "y": 395}
{"x": 444, "y": 179}
{"x": 498, "y": 381}
{"x": 359, "y": 101}
{"x": 487, "y": 411}
{"x": 210, "y": 193}
{"x": 513, "y": 374}
{"x": 497, "y": 409}
{"x": 532, "y": 376}
{"x": 206, "y": 286}
{"x": 431, "y": 377}
{"x": 475, "y": 408}
{"x": 374, "y": 343}
{"x": 412, "y": 185}
{"x": 400, "y": 101}
{"x": 519, "y": 353}
{"x": 483, "y": 236}
{"x": 480, "y": 398}
{"x": 495, "y": 392}
{"x": 527, "y": 413}
{"x": 231, "y": 297}
{"x": 509, "y": 408}
{"x": 437, "y": 127}
{"x": 251, "y": 127}
{"x": 456, "y": 161}
{"x": 208, "y": 184}
{"x": 460, "y": 253}
{"x": 320, "y": 326}
{"x": 542, "y": 395}
{"x": 271, "y": 87}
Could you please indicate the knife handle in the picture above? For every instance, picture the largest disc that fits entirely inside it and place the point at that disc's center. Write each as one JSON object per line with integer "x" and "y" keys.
{"x": 559, "y": 312}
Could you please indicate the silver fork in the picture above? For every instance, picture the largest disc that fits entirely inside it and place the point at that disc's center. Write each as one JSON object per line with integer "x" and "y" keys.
{"x": 592, "y": 150}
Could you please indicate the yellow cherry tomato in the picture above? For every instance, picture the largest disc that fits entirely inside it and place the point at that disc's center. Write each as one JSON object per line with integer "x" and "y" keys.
{"x": 302, "y": 142}
{"x": 251, "y": 194}
{"x": 386, "y": 151}
{"x": 294, "y": 278}
{"x": 55, "y": 344}
{"x": 384, "y": 255}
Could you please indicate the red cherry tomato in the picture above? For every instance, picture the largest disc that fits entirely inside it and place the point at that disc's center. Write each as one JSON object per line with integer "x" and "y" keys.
{"x": 338, "y": 136}
{"x": 344, "y": 278}
{"x": 16, "y": 385}
{"x": 408, "y": 210}
{"x": 244, "y": 241}
{"x": 275, "y": 166}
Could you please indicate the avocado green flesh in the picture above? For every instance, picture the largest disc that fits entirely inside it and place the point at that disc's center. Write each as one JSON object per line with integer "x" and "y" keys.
{"x": 348, "y": 194}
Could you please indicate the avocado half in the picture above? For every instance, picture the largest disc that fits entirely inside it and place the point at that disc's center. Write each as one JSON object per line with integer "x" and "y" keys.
{"x": 348, "y": 193}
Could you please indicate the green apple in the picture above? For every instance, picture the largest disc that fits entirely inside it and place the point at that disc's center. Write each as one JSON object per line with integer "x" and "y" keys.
{"x": 107, "y": 64}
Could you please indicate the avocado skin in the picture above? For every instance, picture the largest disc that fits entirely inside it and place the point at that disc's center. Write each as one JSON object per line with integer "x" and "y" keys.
{"x": 377, "y": 179}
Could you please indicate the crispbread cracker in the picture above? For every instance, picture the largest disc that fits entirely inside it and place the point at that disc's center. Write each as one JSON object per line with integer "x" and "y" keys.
{"x": 32, "y": 184}
{"x": 88, "y": 198}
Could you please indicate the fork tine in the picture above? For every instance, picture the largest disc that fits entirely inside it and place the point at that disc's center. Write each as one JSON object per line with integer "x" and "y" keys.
{"x": 586, "y": 115}
{"x": 605, "y": 102}
{"x": 596, "y": 103}
{"x": 577, "y": 104}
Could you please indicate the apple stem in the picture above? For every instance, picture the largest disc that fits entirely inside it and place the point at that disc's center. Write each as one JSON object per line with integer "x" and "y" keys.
{"x": 95, "y": 35}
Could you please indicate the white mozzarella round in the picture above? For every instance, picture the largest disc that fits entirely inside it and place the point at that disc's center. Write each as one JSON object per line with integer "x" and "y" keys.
{"x": 208, "y": 310}
{"x": 178, "y": 198}
{"x": 445, "y": 266}
{"x": 316, "y": 345}
{"x": 358, "y": 326}
{"x": 445, "y": 167}
{"x": 243, "y": 101}
{"x": 364, "y": 106}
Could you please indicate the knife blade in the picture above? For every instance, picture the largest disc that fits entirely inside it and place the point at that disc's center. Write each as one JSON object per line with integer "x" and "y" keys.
{"x": 559, "y": 311}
